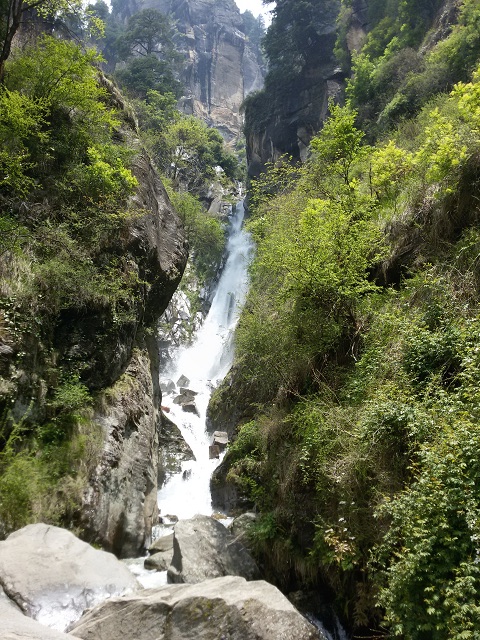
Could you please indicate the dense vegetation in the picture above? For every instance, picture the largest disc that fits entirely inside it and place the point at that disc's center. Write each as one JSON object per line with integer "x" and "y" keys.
{"x": 68, "y": 146}
{"x": 357, "y": 351}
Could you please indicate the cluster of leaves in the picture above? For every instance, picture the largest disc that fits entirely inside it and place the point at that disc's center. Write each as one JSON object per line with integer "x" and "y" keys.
{"x": 393, "y": 77}
{"x": 364, "y": 461}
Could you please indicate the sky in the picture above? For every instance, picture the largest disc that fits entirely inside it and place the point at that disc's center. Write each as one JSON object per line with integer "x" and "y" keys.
{"x": 256, "y": 7}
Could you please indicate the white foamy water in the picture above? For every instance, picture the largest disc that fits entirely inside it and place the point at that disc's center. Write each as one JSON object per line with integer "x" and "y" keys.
{"x": 205, "y": 363}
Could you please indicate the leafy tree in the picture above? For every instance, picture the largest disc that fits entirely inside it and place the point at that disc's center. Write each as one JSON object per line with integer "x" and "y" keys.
{"x": 148, "y": 32}
{"x": 148, "y": 73}
{"x": 13, "y": 13}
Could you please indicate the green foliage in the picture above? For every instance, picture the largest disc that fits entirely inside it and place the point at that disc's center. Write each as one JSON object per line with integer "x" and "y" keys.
{"x": 362, "y": 453}
{"x": 393, "y": 78}
{"x": 22, "y": 121}
{"x": 204, "y": 232}
{"x": 432, "y": 545}
{"x": 148, "y": 73}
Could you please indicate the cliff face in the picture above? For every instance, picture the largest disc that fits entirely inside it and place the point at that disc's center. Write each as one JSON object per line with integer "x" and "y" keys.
{"x": 284, "y": 117}
{"x": 107, "y": 485}
{"x": 120, "y": 503}
{"x": 221, "y": 68}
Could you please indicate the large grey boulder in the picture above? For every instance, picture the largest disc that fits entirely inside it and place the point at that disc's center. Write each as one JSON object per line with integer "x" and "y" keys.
{"x": 227, "y": 607}
{"x": 53, "y": 576}
{"x": 203, "y": 549}
{"x": 16, "y": 626}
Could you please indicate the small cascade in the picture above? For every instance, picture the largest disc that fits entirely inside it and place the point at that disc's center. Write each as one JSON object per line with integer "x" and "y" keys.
{"x": 199, "y": 368}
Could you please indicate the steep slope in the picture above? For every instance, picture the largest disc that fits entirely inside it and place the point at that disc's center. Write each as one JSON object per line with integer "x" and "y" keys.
{"x": 91, "y": 253}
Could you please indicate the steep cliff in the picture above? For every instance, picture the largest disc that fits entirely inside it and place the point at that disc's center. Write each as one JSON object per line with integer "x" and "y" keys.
{"x": 222, "y": 66}
{"x": 304, "y": 73}
{"x": 91, "y": 255}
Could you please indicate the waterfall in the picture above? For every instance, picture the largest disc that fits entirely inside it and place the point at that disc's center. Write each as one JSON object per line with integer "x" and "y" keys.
{"x": 205, "y": 363}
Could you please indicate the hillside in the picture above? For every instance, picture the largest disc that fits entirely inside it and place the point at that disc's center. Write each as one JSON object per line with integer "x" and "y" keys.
{"x": 354, "y": 397}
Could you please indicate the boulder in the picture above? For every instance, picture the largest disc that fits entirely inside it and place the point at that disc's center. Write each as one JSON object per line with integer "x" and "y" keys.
{"x": 53, "y": 576}
{"x": 190, "y": 407}
{"x": 241, "y": 526}
{"x": 186, "y": 400}
{"x": 173, "y": 450}
{"x": 204, "y": 549}
{"x": 164, "y": 543}
{"x": 159, "y": 561}
{"x": 161, "y": 552}
{"x": 16, "y": 626}
{"x": 213, "y": 451}
{"x": 167, "y": 386}
{"x": 220, "y": 438}
{"x": 183, "y": 381}
{"x": 227, "y": 607}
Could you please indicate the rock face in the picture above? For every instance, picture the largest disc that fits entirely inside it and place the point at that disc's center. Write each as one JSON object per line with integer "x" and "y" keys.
{"x": 226, "y": 607}
{"x": 291, "y": 110}
{"x": 173, "y": 450}
{"x": 203, "y": 549}
{"x": 120, "y": 503}
{"x": 53, "y": 576}
{"x": 221, "y": 65}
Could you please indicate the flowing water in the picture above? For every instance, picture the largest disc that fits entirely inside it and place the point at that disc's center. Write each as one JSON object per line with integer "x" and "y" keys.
{"x": 205, "y": 363}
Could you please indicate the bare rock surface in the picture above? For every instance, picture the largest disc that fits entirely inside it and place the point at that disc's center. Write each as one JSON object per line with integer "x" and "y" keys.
{"x": 173, "y": 450}
{"x": 204, "y": 549}
{"x": 54, "y": 577}
{"x": 16, "y": 626}
{"x": 227, "y": 607}
{"x": 161, "y": 552}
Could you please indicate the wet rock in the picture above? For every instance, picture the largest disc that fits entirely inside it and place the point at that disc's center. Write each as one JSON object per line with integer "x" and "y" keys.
{"x": 183, "y": 381}
{"x": 173, "y": 450}
{"x": 186, "y": 400}
{"x": 204, "y": 549}
{"x": 16, "y": 626}
{"x": 54, "y": 577}
{"x": 227, "y": 607}
{"x": 168, "y": 386}
{"x": 190, "y": 407}
{"x": 164, "y": 543}
{"x": 159, "y": 561}
{"x": 213, "y": 451}
{"x": 220, "y": 438}
{"x": 184, "y": 391}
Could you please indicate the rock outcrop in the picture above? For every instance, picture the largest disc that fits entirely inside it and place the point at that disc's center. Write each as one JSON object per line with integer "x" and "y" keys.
{"x": 54, "y": 577}
{"x": 204, "y": 549}
{"x": 290, "y": 110}
{"x": 221, "y": 66}
{"x": 227, "y": 607}
{"x": 120, "y": 504}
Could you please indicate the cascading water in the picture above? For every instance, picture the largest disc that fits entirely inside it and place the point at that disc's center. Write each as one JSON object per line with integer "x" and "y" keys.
{"x": 205, "y": 363}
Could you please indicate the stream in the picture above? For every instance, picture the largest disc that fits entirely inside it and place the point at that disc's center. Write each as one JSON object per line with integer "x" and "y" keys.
{"x": 205, "y": 363}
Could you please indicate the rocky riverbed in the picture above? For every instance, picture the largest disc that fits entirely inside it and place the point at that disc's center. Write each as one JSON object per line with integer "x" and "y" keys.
{"x": 56, "y": 586}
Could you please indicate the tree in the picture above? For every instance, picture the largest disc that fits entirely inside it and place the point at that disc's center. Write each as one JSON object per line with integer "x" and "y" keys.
{"x": 148, "y": 73}
{"x": 148, "y": 32}
{"x": 14, "y": 13}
